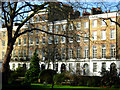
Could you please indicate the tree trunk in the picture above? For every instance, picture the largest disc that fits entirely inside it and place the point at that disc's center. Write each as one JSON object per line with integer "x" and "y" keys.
{"x": 5, "y": 64}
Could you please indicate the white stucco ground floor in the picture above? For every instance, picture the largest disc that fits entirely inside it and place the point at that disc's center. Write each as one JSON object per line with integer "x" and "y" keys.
{"x": 88, "y": 67}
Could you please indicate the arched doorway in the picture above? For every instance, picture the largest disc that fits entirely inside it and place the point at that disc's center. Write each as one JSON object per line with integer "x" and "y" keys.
{"x": 42, "y": 67}
{"x": 85, "y": 69}
{"x": 63, "y": 67}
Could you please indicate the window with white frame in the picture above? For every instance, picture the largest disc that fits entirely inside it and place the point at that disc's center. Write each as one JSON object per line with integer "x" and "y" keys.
{"x": 43, "y": 27}
{"x": 3, "y": 34}
{"x": 50, "y": 54}
{"x": 3, "y": 55}
{"x": 94, "y": 35}
{"x": 94, "y": 23}
{"x": 103, "y": 66}
{"x": 103, "y": 23}
{"x": 70, "y": 66}
{"x": 32, "y": 19}
{"x": 71, "y": 26}
{"x": 94, "y": 67}
{"x": 24, "y": 53}
{"x": 56, "y": 54}
{"x": 78, "y": 25}
{"x": 63, "y": 39}
{"x": 43, "y": 40}
{"x": 37, "y": 18}
{"x": 71, "y": 39}
{"x": 31, "y": 53}
{"x": 112, "y": 23}
{"x": 37, "y": 32}
{"x": 62, "y": 53}
{"x": 78, "y": 52}
{"x": 78, "y": 38}
{"x": 112, "y": 49}
{"x": 50, "y": 40}
{"x": 94, "y": 51}
{"x": 3, "y": 43}
{"x": 43, "y": 17}
{"x": 56, "y": 39}
{"x": 78, "y": 68}
{"x": 50, "y": 29}
{"x": 85, "y": 37}
{"x": 24, "y": 42}
{"x": 103, "y": 35}
{"x": 56, "y": 28}
{"x": 43, "y": 54}
{"x": 86, "y": 53}
{"x": 112, "y": 34}
{"x": 70, "y": 53}
{"x": 37, "y": 41}
{"x": 64, "y": 27}
{"x": 31, "y": 41}
{"x": 19, "y": 42}
{"x": 103, "y": 52}
{"x": 86, "y": 24}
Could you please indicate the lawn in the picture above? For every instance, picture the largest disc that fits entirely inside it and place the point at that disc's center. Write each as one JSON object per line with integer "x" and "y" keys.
{"x": 49, "y": 86}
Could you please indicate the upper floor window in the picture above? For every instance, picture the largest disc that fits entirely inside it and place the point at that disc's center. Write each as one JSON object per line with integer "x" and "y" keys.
{"x": 103, "y": 51}
{"x": 70, "y": 53}
{"x": 3, "y": 34}
{"x": 63, "y": 53}
{"x": 112, "y": 34}
{"x": 94, "y": 23}
{"x": 94, "y": 51}
{"x": 50, "y": 29}
{"x": 71, "y": 26}
{"x": 94, "y": 35}
{"x": 43, "y": 27}
{"x": 31, "y": 41}
{"x": 56, "y": 28}
{"x": 103, "y": 23}
{"x": 3, "y": 43}
{"x": 112, "y": 50}
{"x": 112, "y": 23}
{"x": 24, "y": 42}
{"x": 86, "y": 53}
{"x": 50, "y": 40}
{"x": 85, "y": 37}
{"x": 71, "y": 39}
{"x": 37, "y": 18}
{"x": 78, "y": 25}
{"x": 86, "y": 24}
{"x": 78, "y": 52}
{"x": 103, "y": 35}
{"x": 64, "y": 27}
{"x": 37, "y": 41}
{"x": 19, "y": 42}
{"x": 43, "y": 17}
{"x": 43, "y": 40}
{"x": 78, "y": 38}
{"x": 37, "y": 32}
{"x": 3, "y": 55}
{"x": 56, "y": 39}
{"x": 63, "y": 39}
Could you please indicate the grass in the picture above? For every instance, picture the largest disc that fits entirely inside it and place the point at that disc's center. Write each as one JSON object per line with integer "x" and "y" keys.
{"x": 49, "y": 86}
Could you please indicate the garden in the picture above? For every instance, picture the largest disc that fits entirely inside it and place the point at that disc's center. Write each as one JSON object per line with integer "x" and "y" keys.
{"x": 34, "y": 79}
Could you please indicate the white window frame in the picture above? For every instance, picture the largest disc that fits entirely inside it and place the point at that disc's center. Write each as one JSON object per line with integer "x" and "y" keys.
{"x": 78, "y": 38}
{"x": 94, "y": 23}
{"x": 31, "y": 53}
{"x": 86, "y": 52}
{"x": 71, "y": 39}
{"x": 31, "y": 41}
{"x": 86, "y": 25}
{"x": 63, "y": 54}
{"x": 112, "y": 34}
{"x": 94, "y": 51}
{"x": 70, "y": 53}
{"x": 63, "y": 27}
{"x": 37, "y": 41}
{"x": 3, "y": 34}
{"x": 24, "y": 42}
{"x": 56, "y": 39}
{"x": 24, "y": 53}
{"x": 78, "y": 52}
{"x": 3, "y": 43}
{"x": 70, "y": 26}
{"x": 37, "y": 18}
{"x": 94, "y": 67}
{"x": 43, "y": 27}
{"x": 103, "y": 51}
{"x": 94, "y": 35}
{"x": 112, "y": 23}
{"x": 112, "y": 50}
{"x": 37, "y": 32}
{"x": 19, "y": 42}
{"x": 63, "y": 39}
{"x": 57, "y": 28}
{"x": 85, "y": 37}
{"x": 50, "y": 29}
{"x": 3, "y": 55}
{"x": 103, "y": 35}
{"x": 103, "y": 23}
{"x": 43, "y": 40}
{"x": 50, "y": 40}
{"x": 78, "y": 25}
